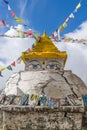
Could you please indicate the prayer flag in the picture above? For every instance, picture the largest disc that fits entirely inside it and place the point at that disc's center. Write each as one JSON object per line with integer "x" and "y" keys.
{"x": 22, "y": 35}
{"x": 64, "y": 24}
{"x": 1, "y": 69}
{"x": 29, "y": 50}
{"x": 71, "y": 15}
{"x": 19, "y": 32}
{"x": 12, "y": 14}
{"x": 18, "y": 60}
{"x": 9, "y": 67}
{"x": 13, "y": 64}
{"x": 2, "y": 23}
{"x": 1, "y": 74}
{"x": 6, "y": 1}
{"x": 19, "y": 20}
{"x": 9, "y": 8}
{"x": 29, "y": 32}
{"x": 67, "y": 20}
{"x": 78, "y": 6}
{"x": 61, "y": 28}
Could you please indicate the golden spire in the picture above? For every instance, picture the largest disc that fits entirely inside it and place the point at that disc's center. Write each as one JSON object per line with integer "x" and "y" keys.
{"x": 45, "y": 49}
{"x": 44, "y": 34}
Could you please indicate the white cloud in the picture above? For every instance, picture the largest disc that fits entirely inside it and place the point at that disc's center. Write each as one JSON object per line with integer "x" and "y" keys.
{"x": 77, "y": 53}
{"x": 80, "y": 32}
{"x": 11, "y": 48}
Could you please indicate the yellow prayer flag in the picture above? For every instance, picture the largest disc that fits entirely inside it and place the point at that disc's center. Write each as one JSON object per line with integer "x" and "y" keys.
{"x": 78, "y": 6}
{"x": 19, "y": 20}
{"x": 1, "y": 69}
{"x": 61, "y": 28}
{"x": 18, "y": 32}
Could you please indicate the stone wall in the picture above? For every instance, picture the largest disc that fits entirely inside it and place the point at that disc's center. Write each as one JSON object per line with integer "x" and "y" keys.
{"x": 84, "y": 121}
{"x": 42, "y": 118}
{"x": 1, "y": 119}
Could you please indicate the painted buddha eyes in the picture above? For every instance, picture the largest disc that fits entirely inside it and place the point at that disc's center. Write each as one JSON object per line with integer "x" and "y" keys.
{"x": 34, "y": 66}
{"x": 53, "y": 65}
{"x": 48, "y": 65}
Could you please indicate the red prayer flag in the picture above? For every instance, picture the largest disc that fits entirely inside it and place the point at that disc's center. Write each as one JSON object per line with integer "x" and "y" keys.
{"x": 29, "y": 50}
{"x": 2, "y": 23}
{"x": 12, "y": 14}
{"x": 28, "y": 33}
{"x": 13, "y": 64}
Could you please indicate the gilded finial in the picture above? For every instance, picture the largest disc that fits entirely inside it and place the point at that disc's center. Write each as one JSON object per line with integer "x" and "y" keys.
{"x": 44, "y": 34}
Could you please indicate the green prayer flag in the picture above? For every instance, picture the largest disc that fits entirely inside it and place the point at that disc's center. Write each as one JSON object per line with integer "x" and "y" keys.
{"x": 64, "y": 24}
{"x": 9, "y": 67}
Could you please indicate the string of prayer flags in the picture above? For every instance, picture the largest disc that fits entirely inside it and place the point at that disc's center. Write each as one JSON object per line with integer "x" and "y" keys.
{"x": 36, "y": 36}
{"x": 28, "y": 33}
{"x": 65, "y": 23}
{"x": 70, "y": 16}
{"x": 71, "y": 40}
{"x": 19, "y": 20}
{"x": 9, "y": 67}
{"x": 21, "y": 34}
{"x": 18, "y": 61}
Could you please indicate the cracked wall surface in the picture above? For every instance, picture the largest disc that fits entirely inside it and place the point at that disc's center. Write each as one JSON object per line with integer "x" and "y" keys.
{"x": 55, "y": 84}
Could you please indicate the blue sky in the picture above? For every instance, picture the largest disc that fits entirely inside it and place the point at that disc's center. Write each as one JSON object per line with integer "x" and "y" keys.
{"x": 43, "y": 15}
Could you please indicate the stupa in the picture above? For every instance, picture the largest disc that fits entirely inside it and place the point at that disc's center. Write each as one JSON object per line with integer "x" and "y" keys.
{"x": 44, "y": 73}
{"x": 53, "y": 95}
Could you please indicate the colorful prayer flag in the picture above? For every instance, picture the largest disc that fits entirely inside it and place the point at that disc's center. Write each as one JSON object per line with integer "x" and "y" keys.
{"x": 2, "y": 23}
{"x": 78, "y": 6}
{"x": 13, "y": 64}
{"x": 61, "y": 28}
{"x": 9, "y": 8}
{"x": 19, "y": 20}
{"x": 29, "y": 32}
{"x": 6, "y": 1}
{"x": 64, "y": 24}
{"x": 9, "y": 67}
{"x": 71, "y": 15}
{"x": 18, "y": 61}
{"x": 67, "y": 20}
{"x": 12, "y": 14}
{"x": 29, "y": 50}
{"x": 1, "y": 69}
{"x": 19, "y": 32}
{"x": 1, "y": 74}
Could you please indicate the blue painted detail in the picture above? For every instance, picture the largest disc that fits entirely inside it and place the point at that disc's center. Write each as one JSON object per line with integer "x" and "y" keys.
{"x": 85, "y": 100}
{"x": 51, "y": 104}
{"x": 25, "y": 99}
{"x": 43, "y": 100}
